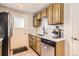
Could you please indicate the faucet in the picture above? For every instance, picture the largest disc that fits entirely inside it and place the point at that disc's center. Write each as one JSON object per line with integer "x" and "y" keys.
{"x": 43, "y": 30}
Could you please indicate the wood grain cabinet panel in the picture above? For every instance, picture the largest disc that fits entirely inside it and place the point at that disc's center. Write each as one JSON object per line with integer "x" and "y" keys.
{"x": 0, "y": 48}
{"x": 62, "y": 13}
{"x": 44, "y": 13}
{"x": 54, "y": 13}
{"x": 38, "y": 16}
{"x": 30, "y": 41}
{"x": 36, "y": 22}
{"x": 60, "y": 48}
{"x": 58, "y": 13}
{"x": 34, "y": 43}
{"x": 50, "y": 14}
{"x": 38, "y": 45}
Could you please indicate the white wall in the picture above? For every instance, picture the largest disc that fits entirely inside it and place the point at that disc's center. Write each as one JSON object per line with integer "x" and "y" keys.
{"x": 67, "y": 28}
{"x": 21, "y": 14}
{"x": 31, "y": 29}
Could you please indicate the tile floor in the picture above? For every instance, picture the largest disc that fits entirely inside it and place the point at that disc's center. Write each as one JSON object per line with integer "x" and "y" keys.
{"x": 29, "y": 52}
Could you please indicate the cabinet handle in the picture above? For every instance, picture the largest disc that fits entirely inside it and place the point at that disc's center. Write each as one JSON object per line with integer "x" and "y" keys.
{"x": 75, "y": 39}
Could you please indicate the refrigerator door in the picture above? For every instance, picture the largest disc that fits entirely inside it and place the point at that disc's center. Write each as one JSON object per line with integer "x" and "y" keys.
{"x": 10, "y": 25}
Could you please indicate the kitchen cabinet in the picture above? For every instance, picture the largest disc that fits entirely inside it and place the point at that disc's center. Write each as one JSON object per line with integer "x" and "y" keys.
{"x": 44, "y": 13}
{"x": 60, "y": 48}
{"x": 35, "y": 43}
{"x": 0, "y": 48}
{"x": 38, "y": 16}
{"x": 36, "y": 22}
{"x": 55, "y": 13}
{"x": 54, "y": 48}
{"x": 38, "y": 45}
{"x": 50, "y": 14}
{"x": 58, "y": 10}
{"x": 30, "y": 41}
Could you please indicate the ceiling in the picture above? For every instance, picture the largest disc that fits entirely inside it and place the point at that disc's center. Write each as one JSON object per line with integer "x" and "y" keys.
{"x": 25, "y": 7}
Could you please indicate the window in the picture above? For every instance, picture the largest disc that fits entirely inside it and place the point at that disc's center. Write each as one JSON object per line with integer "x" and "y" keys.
{"x": 18, "y": 22}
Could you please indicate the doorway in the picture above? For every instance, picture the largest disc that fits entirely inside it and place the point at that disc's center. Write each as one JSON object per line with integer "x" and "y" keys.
{"x": 19, "y": 36}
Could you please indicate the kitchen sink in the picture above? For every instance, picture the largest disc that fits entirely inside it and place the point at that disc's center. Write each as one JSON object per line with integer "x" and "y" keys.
{"x": 40, "y": 34}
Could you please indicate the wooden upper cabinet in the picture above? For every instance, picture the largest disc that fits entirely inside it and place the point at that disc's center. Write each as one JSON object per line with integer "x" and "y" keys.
{"x": 44, "y": 13}
{"x": 38, "y": 15}
{"x": 36, "y": 22}
{"x": 58, "y": 11}
{"x": 55, "y": 13}
{"x": 62, "y": 13}
{"x": 50, "y": 14}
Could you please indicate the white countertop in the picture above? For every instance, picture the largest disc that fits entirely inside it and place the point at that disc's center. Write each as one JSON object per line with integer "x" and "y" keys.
{"x": 1, "y": 39}
{"x": 48, "y": 37}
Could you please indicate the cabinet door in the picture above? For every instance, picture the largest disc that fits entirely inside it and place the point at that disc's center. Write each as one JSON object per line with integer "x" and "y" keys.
{"x": 44, "y": 13}
{"x": 36, "y": 22}
{"x": 38, "y": 16}
{"x": 57, "y": 13}
{"x": 0, "y": 48}
{"x": 50, "y": 14}
{"x": 30, "y": 41}
{"x": 62, "y": 13}
{"x": 60, "y": 51}
{"x": 38, "y": 45}
{"x": 34, "y": 43}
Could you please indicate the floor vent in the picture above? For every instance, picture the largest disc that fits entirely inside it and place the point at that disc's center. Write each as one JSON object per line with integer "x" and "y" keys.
{"x": 20, "y": 49}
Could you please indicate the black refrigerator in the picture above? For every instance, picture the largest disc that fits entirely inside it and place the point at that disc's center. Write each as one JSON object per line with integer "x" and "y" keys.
{"x": 4, "y": 32}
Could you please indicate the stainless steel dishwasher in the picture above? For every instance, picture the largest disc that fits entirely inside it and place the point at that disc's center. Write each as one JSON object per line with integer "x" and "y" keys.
{"x": 46, "y": 48}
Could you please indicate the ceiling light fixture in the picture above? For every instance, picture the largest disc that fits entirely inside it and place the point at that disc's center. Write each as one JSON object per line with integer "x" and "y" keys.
{"x": 21, "y": 6}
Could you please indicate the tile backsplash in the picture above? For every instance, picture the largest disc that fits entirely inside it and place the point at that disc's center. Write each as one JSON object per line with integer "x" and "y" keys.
{"x": 49, "y": 28}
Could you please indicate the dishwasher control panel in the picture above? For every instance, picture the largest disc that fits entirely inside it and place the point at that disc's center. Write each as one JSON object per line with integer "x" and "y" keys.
{"x": 48, "y": 42}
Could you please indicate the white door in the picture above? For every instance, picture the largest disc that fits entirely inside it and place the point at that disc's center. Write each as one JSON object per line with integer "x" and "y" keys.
{"x": 19, "y": 38}
{"x": 75, "y": 29}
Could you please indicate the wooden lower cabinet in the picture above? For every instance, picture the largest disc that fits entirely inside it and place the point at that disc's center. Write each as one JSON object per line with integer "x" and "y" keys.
{"x": 60, "y": 48}
{"x": 30, "y": 41}
{"x": 0, "y": 49}
{"x": 38, "y": 45}
{"x": 35, "y": 43}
